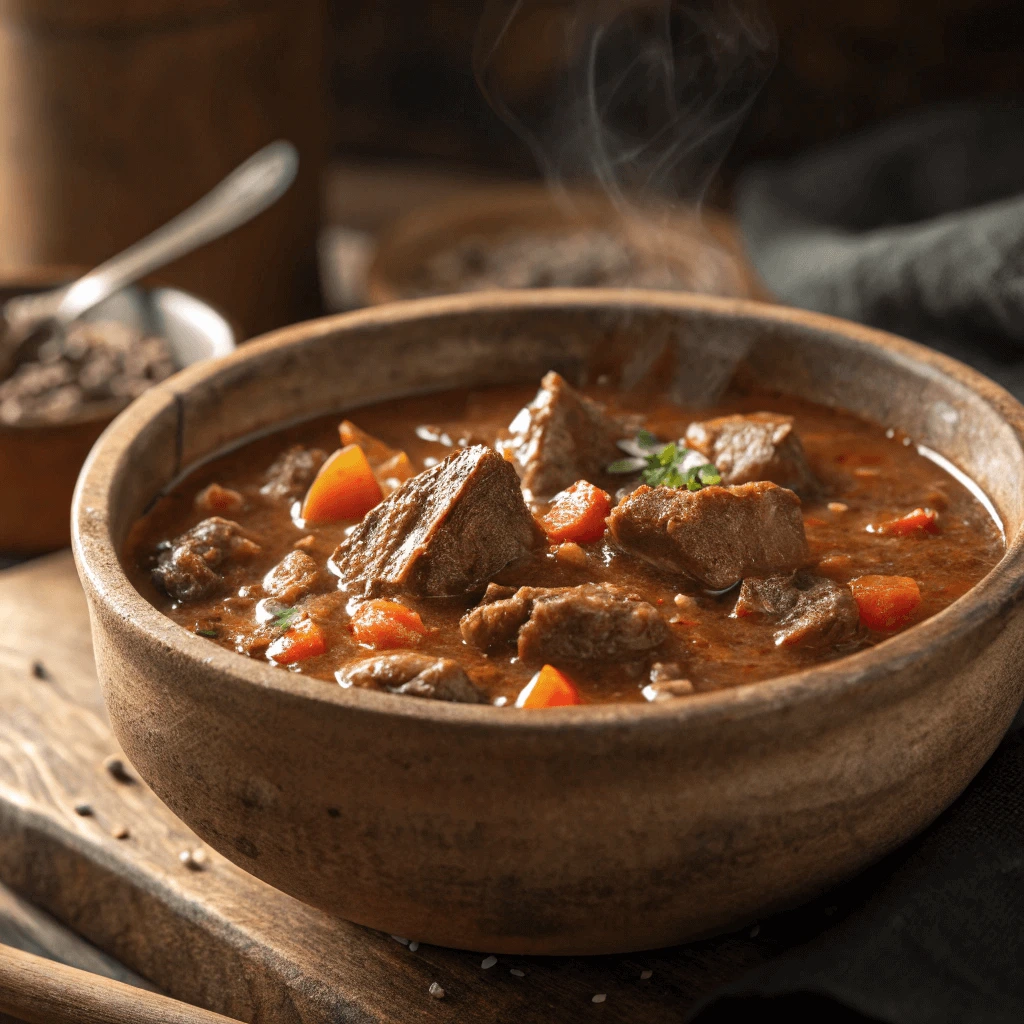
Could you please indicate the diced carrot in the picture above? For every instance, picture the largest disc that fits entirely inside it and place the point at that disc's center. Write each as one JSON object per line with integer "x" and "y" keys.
{"x": 391, "y": 466}
{"x": 304, "y": 640}
{"x": 345, "y": 488}
{"x": 886, "y": 603}
{"x": 577, "y": 514}
{"x": 384, "y": 624}
{"x": 913, "y": 524}
{"x": 374, "y": 449}
{"x": 549, "y": 688}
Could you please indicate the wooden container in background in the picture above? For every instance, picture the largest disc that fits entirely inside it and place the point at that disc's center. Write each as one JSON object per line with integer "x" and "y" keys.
{"x": 115, "y": 116}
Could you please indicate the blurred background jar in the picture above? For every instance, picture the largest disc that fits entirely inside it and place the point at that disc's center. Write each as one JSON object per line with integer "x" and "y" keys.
{"x": 118, "y": 115}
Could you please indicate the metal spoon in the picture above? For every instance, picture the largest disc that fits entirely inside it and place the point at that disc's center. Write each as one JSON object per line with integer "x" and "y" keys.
{"x": 245, "y": 192}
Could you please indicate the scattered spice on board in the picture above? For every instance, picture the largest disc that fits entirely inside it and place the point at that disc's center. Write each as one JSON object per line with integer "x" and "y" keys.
{"x": 116, "y": 768}
{"x": 39, "y": 670}
{"x": 83, "y": 809}
{"x": 120, "y": 832}
{"x": 194, "y": 860}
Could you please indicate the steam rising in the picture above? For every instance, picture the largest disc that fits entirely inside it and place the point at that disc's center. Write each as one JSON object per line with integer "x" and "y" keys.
{"x": 640, "y": 97}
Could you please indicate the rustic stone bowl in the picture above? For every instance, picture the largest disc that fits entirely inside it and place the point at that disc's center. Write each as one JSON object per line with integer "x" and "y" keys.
{"x": 574, "y": 830}
{"x": 39, "y": 463}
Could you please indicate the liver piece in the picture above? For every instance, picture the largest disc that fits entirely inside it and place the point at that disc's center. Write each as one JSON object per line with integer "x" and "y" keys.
{"x": 561, "y": 437}
{"x": 185, "y": 569}
{"x": 446, "y": 531}
{"x": 809, "y": 609}
{"x": 755, "y": 446}
{"x": 556, "y": 624}
{"x": 717, "y": 535}
{"x": 414, "y": 675}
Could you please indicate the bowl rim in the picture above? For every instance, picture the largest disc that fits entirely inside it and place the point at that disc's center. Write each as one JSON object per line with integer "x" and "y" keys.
{"x": 102, "y": 573}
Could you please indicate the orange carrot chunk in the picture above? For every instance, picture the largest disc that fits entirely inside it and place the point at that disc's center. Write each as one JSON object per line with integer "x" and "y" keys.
{"x": 304, "y": 640}
{"x": 913, "y": 524}
{"x": 345, "y": 488}
{"x": 384, "y": 624}
{"x": 886, "y": 603}
{"x": 549, "y": 688}
{"x": 577, "y": 514}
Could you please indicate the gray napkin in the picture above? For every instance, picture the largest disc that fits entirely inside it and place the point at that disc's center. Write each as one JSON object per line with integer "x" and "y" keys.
{"x": 916, "y": 226}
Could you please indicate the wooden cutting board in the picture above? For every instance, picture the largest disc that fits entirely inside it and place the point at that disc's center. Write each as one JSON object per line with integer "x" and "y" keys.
{"x": 218, "y": 937}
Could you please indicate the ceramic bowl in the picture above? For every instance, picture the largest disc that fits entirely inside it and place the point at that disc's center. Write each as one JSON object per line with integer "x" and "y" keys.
{"x": 704, "y": 251}
{"x": 574, "y": 830}
{"x": 39, "y": 464}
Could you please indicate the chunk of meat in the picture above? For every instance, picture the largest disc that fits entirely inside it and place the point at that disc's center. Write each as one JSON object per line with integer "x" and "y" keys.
{"x": 809, "y": 609}
{"x": 293, "y": 577}
{"x": 717, "y": 535}
{"x": 186, "y": 567}
{"x": 565, "y": 623}
{"x": 561, "y": 437}
{"x": 290, "y": 475}
{"x": 446, "y": 531}
{"x": 755, "y": 446}
{"x": 217, "y": 500}
{"x": 416, "y": 675}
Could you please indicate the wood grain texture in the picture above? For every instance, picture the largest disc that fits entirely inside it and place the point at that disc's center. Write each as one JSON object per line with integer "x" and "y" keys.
{"x": 43, "y": 992}
{"x": 218, "y": 938}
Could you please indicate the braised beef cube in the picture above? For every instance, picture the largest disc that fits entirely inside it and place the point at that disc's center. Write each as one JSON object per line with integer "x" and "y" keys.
{"x": 292, "y": 472}
{"x": 446, "y": 531}
{"x": 755, "y": 446}
{"x": 186, "y": 568}
{"x": 415, "y": 675}
{"x": 566, "y": 623}
{"x": 561, "y": 437}
{"x": 808, "y": 609}
{"x": 494, "y": 623}
{"x": 293, "y": 577}
{"x": 717, "y": 535}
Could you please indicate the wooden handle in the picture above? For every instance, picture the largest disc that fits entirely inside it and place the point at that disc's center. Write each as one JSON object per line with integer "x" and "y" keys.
{"x": 41, "y": 991}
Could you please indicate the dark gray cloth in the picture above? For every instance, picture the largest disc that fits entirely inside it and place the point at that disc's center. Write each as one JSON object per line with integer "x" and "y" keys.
{"x": 933, "y": 935}
{"x": 916, "y": 227}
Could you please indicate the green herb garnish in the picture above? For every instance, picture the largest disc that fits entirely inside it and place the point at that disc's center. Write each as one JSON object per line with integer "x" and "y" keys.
{"x": 284, "y": 618}
{"x": 211, "y": 633}
{"x": 669, "y": 465}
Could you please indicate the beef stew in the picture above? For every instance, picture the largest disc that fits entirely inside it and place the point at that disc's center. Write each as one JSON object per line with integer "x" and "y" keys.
{"x": 569, "y": 546}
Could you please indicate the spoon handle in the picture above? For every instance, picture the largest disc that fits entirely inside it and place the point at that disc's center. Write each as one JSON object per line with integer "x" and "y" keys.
{"x": 245, "y": 192}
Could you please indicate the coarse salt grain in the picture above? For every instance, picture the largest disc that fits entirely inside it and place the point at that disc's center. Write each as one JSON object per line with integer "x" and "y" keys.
{"x": 413, "y": 946}
{"x": 398, "y": 938}
{"x": 755, "y": 931}
{"x": 599, "y": 998}
{"x": 644, "y": 975}
{"x": 518, "y": 973}
{"x": 684, "y": 601}
{"x": 435, "y": 990}
{"x": 488, "y": 962}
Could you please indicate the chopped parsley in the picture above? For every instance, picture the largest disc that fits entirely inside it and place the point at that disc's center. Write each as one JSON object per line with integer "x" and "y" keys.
{"x": 211, "y": 633}
{"x": 284, "y": 618}
{"x": 665, "y": 465}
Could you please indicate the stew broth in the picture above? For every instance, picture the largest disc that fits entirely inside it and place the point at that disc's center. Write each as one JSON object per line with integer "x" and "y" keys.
{"x": 868, "y": 477}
